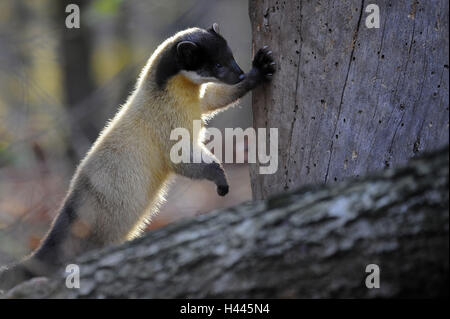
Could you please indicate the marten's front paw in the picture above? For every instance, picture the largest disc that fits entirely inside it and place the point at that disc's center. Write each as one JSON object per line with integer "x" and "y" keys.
{"x": 263, "y": 62}
{"x": 222, "y": 190}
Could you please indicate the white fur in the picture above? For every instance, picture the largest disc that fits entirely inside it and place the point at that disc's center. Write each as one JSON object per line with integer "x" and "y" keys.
{"x": 197, "y": 78}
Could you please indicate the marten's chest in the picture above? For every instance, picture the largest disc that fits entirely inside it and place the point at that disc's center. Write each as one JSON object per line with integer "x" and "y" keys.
{"x": 185, "y": 96}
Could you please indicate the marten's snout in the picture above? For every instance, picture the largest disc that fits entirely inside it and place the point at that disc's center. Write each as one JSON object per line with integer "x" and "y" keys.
{"x": 236, "y": 73}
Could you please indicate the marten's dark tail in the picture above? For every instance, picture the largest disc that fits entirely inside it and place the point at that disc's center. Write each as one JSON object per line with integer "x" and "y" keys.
{"x": 14, "y": 274}
{"x": 45, "y": 260}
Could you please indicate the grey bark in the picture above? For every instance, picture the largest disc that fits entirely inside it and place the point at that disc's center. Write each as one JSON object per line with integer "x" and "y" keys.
{"x": 349, "y": 100}
{"x": 314, "y": 242}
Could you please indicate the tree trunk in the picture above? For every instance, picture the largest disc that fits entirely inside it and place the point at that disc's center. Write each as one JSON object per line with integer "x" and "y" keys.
{"x": 308, "y": 243}
{"x": 79, "y": 86}
{"x": 347, "y": 99}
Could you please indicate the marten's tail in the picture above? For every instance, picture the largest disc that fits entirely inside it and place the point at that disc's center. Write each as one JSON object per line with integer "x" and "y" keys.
{"x": 50, "y": 255}
{"x": 14, "y": 274}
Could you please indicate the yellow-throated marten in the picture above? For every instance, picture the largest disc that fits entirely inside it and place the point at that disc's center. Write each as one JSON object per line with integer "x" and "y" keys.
{"x": 123, "y": 177}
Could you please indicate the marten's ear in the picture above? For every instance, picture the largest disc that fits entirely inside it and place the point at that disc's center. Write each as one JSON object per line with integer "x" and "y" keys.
{"x": 188, "y": 52}
{"x": 214, "y": 28}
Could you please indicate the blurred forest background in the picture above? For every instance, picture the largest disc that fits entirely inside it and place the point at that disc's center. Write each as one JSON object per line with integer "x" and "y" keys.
{"x": 59, "y": 86}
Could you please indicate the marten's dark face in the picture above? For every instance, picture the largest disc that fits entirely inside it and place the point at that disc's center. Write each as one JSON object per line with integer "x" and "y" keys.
{"x": 206, "y": 57}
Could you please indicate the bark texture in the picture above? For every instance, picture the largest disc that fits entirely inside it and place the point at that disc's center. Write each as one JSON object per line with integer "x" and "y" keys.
{"x": 311, "y": 243}
{"x": 349, "y": 100}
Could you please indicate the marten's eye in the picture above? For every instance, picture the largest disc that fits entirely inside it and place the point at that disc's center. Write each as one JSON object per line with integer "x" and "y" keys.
{"x": 219, "y": 66}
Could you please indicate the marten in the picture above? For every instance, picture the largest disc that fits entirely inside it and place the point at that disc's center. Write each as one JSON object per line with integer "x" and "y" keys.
{"x": 123, "y": 178}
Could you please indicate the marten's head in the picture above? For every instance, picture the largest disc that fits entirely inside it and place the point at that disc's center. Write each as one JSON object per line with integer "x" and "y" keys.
{"x": 200, "y": 55}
